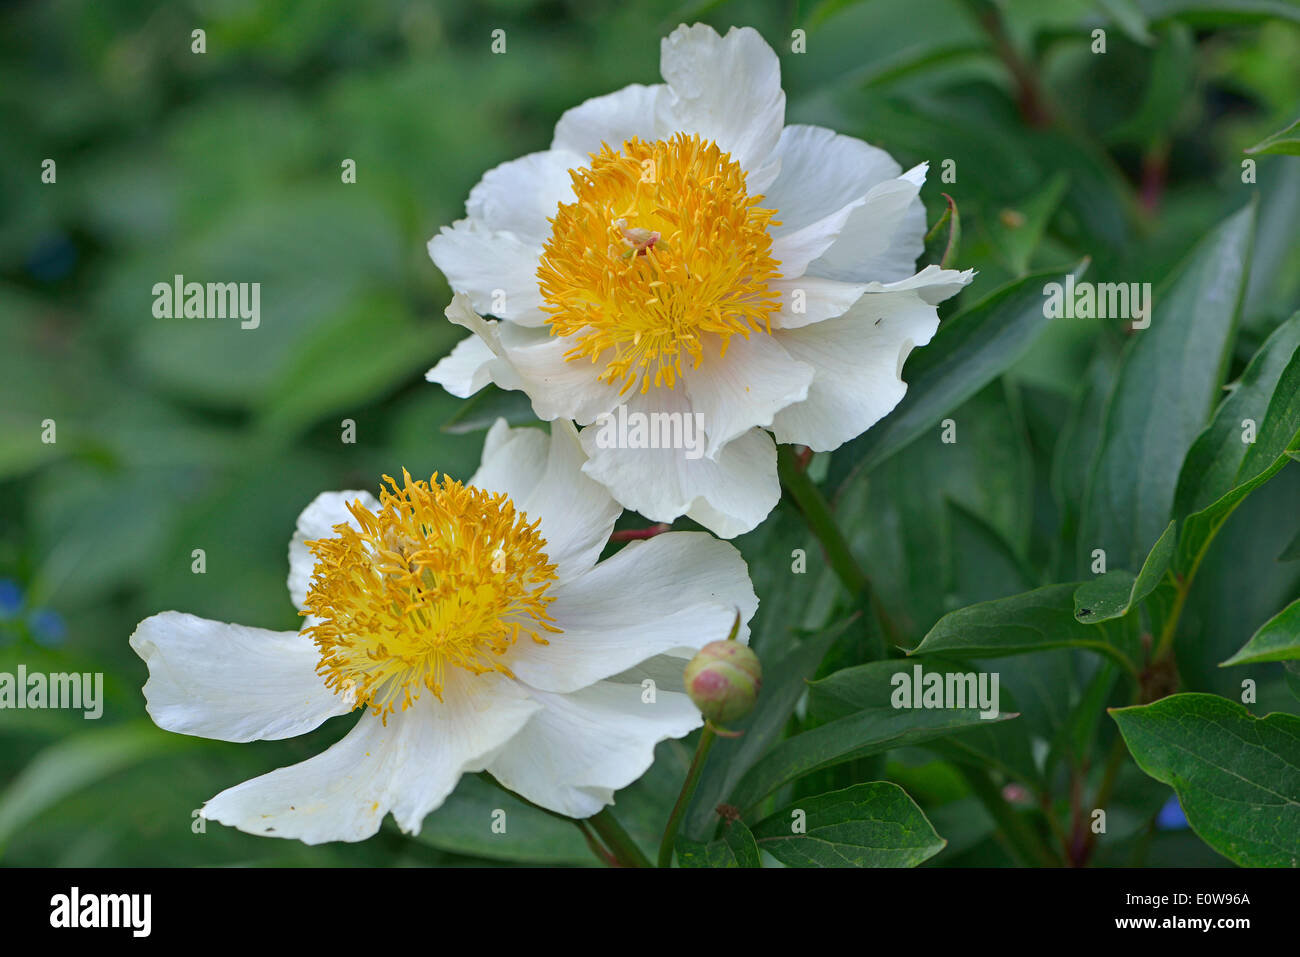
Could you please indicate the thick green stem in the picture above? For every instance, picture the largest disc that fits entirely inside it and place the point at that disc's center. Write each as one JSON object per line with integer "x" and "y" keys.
{"x": 618, "y": 841}
{"x": 816, "y": 512}
{"x": 684, "y": 798}
{"x": 595, "y": 845}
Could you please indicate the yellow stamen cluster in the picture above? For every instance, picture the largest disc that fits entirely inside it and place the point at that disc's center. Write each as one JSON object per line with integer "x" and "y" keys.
{"x": 442, "y": 575}
{"x": 662, "y": 248}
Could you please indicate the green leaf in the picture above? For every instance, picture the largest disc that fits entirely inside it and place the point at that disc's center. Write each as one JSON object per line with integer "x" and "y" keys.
{"x": 1218, "y": 12}
{"x": 1002, "y": 744}
{"x": 1278, "y": 639}
{"x": 1128, "y": 16}
{"x": 74, "y": 763}
{"x": 330, "y": 373}
{"x": 1163, "y": 394}
{"x": 1017, "y": 233}
{"x": 486, "y": 406}
{"x": 866, "y": 825}
{"x": 1292, "y": 551}
{"x": 1236, "y": 776}
{"x": 1169, "y": 85}
{"x": 872, "y": 730}
{"x": 1217, "y": 461}
{"x": 1114, "y": 593}
{"x": 1283, "y": 141}
{"x": 736, "y": 848}
{"x": 1291, "y": 675}
{"x": 982, "y": 566}
{"x": 1222, "y": 469}
{"x": 464, "y": 825}
{"x": 1033, "y": 621}
{"x": 970, "y": 350}
{"x": 898, "y": 517}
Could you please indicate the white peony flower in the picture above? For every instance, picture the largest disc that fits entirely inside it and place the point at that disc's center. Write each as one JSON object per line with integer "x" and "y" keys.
{"x": 678, "y": 249}
{"x": 477, "y": 626}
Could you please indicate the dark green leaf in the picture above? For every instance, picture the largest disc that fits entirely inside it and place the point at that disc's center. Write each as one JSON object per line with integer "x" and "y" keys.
{"x": 1033, "y": 621}
{"x": 465, "y": 825}
{"x": 1236, "y": 776}
{"x": 736, "y": 848}
{"x": 1278, "y": 639}
{"x": 1283, "y": 141}
{"x": 872, "y": 730}
{"x": 1164, "y": 393}
{"x": 1114, "y": 593}
{"x": 1004, "y": 744}
{"x": 969, "y": 351}
{"x": 1222, "y": 468}
{"x": 867, "y": 825}
{"x": 74, "y": 763}
{"x": 486, "y": 406}
{"x": 1018, "y": 231}
{"x": 1218, "y": 460}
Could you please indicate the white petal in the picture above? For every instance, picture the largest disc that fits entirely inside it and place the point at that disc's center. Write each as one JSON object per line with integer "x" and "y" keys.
{"x": 796, "y": 250}
{"x": 560, "y": 388}
{"x": 543, "y": 476}
{"x": 859, "y": 360}
{"x": 582, "y": 747}
{"x": 668, "y": 672}
{"x": 522, "y": 195}
{"x": 317, "y": 521}
{"x": 408, "y": 767}
{"x": 673, "y": 593}
{"x": 933, "y": 284}
{"x": 729, "y": 495}
{"x": 497, "y": 270}
{"x": 822, "y": 171}
{"x": 465, "y": 369}
{"x": 611, "y": 119}
{"x": 810, "y": 299}
{"x": 883, "y": 236}
{"x": 534, "y": 362}
{"x": 744, "y": 388}
{"x": 231, "y": 682}
{"x": 727, "y": 89}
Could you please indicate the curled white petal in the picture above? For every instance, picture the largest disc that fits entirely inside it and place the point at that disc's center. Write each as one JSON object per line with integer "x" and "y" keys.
{"x": 859, "y": 358}
{"x": 232, "y": 682}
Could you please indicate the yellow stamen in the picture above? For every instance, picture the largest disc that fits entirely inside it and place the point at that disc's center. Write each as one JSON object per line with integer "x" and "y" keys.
{"x": 662, "y": 249}
{"x": 443, "y": 575}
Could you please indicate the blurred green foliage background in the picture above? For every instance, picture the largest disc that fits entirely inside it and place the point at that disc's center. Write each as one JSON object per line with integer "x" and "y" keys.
{"x": 174, "y": 435}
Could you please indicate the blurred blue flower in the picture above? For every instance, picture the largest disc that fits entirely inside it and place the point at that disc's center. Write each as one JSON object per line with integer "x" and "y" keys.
{"x": 11, "y": 597}
{"x": 1171, "y": 817}
{"x": 47, "y": 626}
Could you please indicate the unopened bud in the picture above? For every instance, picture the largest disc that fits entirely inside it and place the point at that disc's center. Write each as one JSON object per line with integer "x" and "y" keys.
{"x": 723, "y": 680}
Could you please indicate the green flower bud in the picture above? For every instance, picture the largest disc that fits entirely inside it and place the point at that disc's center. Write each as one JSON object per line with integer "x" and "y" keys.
{"x": 723, "y": 680}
